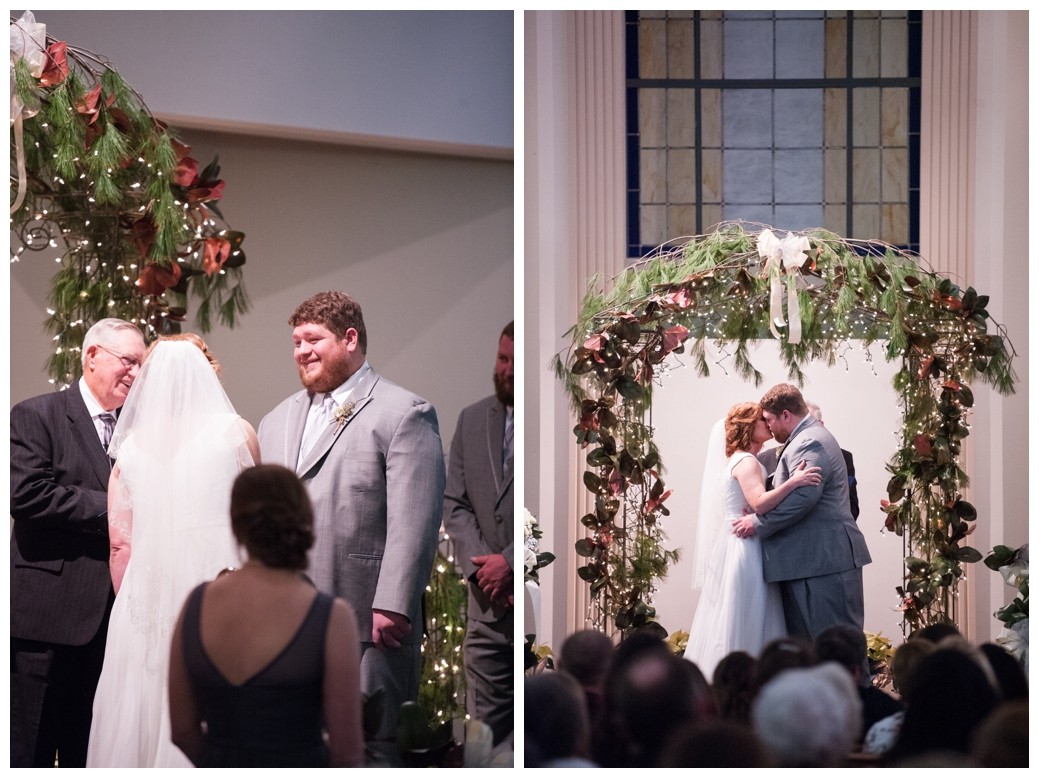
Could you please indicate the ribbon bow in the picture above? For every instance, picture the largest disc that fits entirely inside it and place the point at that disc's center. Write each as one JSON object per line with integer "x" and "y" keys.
{"x": 786, "y": 255}
{"x": 28, "y": 42}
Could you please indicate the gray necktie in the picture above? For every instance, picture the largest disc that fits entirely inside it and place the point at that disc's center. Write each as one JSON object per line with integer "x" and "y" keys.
{"x": 507, "y": 448}
{"x": 108, "y": 419}
{"x": 320, "y": 422}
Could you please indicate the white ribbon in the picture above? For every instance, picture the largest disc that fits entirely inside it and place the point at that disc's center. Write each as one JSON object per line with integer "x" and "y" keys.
{"x": 786, "y": 255}
{"x": 28, "y": 42}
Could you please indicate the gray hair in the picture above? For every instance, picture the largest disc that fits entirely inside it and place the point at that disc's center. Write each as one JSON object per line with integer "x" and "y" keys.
{"x": 101, "y": 332}
{"x": 810, "y": 716}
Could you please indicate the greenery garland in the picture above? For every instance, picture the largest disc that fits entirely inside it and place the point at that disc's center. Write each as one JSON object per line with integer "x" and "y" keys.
{"x": 95, "y": 173}
{"x": 718, "y": 287}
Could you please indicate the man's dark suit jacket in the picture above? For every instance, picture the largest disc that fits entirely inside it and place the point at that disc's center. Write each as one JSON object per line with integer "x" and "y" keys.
{"x": 60, "y": 584}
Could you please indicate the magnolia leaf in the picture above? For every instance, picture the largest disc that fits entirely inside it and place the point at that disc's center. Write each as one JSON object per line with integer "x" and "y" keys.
{"x": 584, "y": 547}
{"x": 967, "y": 554}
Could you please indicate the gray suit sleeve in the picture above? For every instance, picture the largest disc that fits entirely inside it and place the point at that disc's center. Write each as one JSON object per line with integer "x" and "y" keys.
{"x": 801, "y": 501}
{"x": 414, "y": 500}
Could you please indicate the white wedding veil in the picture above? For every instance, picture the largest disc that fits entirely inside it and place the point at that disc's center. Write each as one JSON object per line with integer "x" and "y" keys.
{"x": 711, "y": 518}
{"x": 178, "y": 446}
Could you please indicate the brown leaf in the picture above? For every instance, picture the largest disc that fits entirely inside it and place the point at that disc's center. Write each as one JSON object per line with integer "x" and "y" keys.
{"x": 57, "y": 68}
{"x": 156, "y": 279}
{"x": 216, "y": 252}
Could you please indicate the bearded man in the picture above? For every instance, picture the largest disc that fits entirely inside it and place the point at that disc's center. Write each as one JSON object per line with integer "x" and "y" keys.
{"x": 371, "y": 457}
{"x": 478, "y": 515}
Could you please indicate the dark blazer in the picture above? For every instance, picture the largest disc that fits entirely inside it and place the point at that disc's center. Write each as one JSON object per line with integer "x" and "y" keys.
{"x": 478, "y": 510}
{"x": 60, "y": 583}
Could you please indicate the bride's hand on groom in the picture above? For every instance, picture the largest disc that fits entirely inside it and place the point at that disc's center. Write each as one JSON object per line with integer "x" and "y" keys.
{"x": 745, "y": 527}
{"x": 803, "y": 475}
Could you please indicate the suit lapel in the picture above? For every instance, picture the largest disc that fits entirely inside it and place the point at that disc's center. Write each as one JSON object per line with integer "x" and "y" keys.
{"x": 86, "y": 435}
{"x": 360, "y": 397}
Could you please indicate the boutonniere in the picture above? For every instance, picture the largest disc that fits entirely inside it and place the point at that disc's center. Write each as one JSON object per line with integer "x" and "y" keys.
{"x": 342, "y": 415}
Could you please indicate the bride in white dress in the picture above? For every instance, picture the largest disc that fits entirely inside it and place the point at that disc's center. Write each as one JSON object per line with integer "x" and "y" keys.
{"x": 178, "y": 447}
{"x": 737, "y": 610}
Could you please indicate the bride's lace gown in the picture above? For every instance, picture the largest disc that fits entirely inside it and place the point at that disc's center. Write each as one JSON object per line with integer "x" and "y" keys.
{"x": 737, "y": 609}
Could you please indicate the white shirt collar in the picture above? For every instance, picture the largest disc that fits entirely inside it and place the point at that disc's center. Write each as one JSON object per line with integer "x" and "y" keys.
{"x": 93, "y": 405}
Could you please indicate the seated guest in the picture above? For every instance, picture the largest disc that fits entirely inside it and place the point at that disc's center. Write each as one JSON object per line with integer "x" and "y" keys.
{"x": 585, "y": 655}
{"x": 846, "y": 645}
{"x": 1010, "y": 673}
{"x": 555, "y": 723}
{"x": 809, "y": 716}
{"x": 882, "y": 734}
{"x": 1002, "y": 739}
{"x": 715, "y": 743}
{"x": 947, "y": 698}
{"x": 263, "y": 667}
{"x": 734, "y": 683}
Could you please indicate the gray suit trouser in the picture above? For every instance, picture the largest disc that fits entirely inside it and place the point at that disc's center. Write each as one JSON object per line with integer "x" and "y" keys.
{"x": 813, "y": 604}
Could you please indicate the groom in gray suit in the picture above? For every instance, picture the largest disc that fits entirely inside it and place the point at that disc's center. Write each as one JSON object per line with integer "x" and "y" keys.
{"x": 371, "y": 457}
{"x": 810, "y": 544}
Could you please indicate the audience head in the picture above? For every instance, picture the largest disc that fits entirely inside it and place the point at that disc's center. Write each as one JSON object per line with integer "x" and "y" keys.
{"x": 189, "y": 337}
{"x": 655, "y": 694}
{"x": 714, "y": 743}
{"x": 906, "y": 660}
{"x": 271, "y": 516}
{"x": 1002, "y": 739}
{"x": 809, "y": 716}
{"x": 936, "y": 632}
{"x": 783, "y": 654}
{"x": 1010, "y": 674}
{"x": 555, "y": 723}
{"x": 586, "y": 655}
{"x": 734, "y": 683}
{"x": 845, "y": 645}
{"x": 947, "y": 698}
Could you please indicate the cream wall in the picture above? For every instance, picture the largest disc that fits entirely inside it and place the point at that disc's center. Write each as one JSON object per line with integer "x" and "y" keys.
{"x": 423, "y": 240}
{"x": 995, "y": 189}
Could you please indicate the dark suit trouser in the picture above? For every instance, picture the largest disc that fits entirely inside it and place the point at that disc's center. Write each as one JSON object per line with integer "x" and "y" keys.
{"x": 489, "y": 665}
{"x": 52, "y": 699}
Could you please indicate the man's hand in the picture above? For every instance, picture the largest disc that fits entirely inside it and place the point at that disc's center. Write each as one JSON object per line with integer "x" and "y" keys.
{"x": 745, "y": 527}
{"x": 494, "y": 577}
{"x": 389, "y": 628}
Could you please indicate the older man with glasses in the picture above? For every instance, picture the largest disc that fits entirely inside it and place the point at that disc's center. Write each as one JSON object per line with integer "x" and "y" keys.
{"x": 61, "y": 589}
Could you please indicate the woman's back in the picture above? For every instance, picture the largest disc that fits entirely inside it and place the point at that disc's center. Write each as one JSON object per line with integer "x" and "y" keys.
{"x": 254, "y": 649}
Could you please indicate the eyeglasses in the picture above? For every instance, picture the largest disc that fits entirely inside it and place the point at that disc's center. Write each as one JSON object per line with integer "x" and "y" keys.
{"x": 128, "y": 362}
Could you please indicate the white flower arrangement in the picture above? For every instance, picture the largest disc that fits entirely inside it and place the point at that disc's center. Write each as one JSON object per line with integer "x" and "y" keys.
{"x": 533, "y": 558}
{"x": 1012, "y": 565}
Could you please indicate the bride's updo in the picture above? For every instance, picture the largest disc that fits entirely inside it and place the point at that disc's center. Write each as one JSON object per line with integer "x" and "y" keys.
{"x": 271, "y": 516}
{"x": 739, "y": 427}
{"x": 190, "y": 337}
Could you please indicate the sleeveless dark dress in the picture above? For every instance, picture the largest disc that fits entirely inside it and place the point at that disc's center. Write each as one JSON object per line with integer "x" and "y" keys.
{"x": 275, "y": 718}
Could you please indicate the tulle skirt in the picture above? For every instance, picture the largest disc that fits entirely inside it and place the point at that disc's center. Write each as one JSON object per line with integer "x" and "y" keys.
{"x": 737, "y": 611}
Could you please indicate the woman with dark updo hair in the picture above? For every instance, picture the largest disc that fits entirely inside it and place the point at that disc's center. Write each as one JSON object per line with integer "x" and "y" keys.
{"x": 264, "y": 669}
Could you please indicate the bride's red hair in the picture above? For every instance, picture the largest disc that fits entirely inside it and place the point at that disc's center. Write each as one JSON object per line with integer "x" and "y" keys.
{"x": 739, "y": 427}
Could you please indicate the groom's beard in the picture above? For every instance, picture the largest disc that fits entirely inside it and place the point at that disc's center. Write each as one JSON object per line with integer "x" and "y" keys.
{"x": 503, "y": 390}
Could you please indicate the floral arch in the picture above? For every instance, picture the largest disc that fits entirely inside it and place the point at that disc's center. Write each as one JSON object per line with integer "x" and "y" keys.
{"x": 732, "y": 286}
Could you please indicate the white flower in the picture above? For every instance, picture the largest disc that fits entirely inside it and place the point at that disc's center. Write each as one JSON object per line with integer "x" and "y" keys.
{"x": 530, "y": 560}
{"x": 529, "y": 524}
{"x": 1015, "y": 640}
